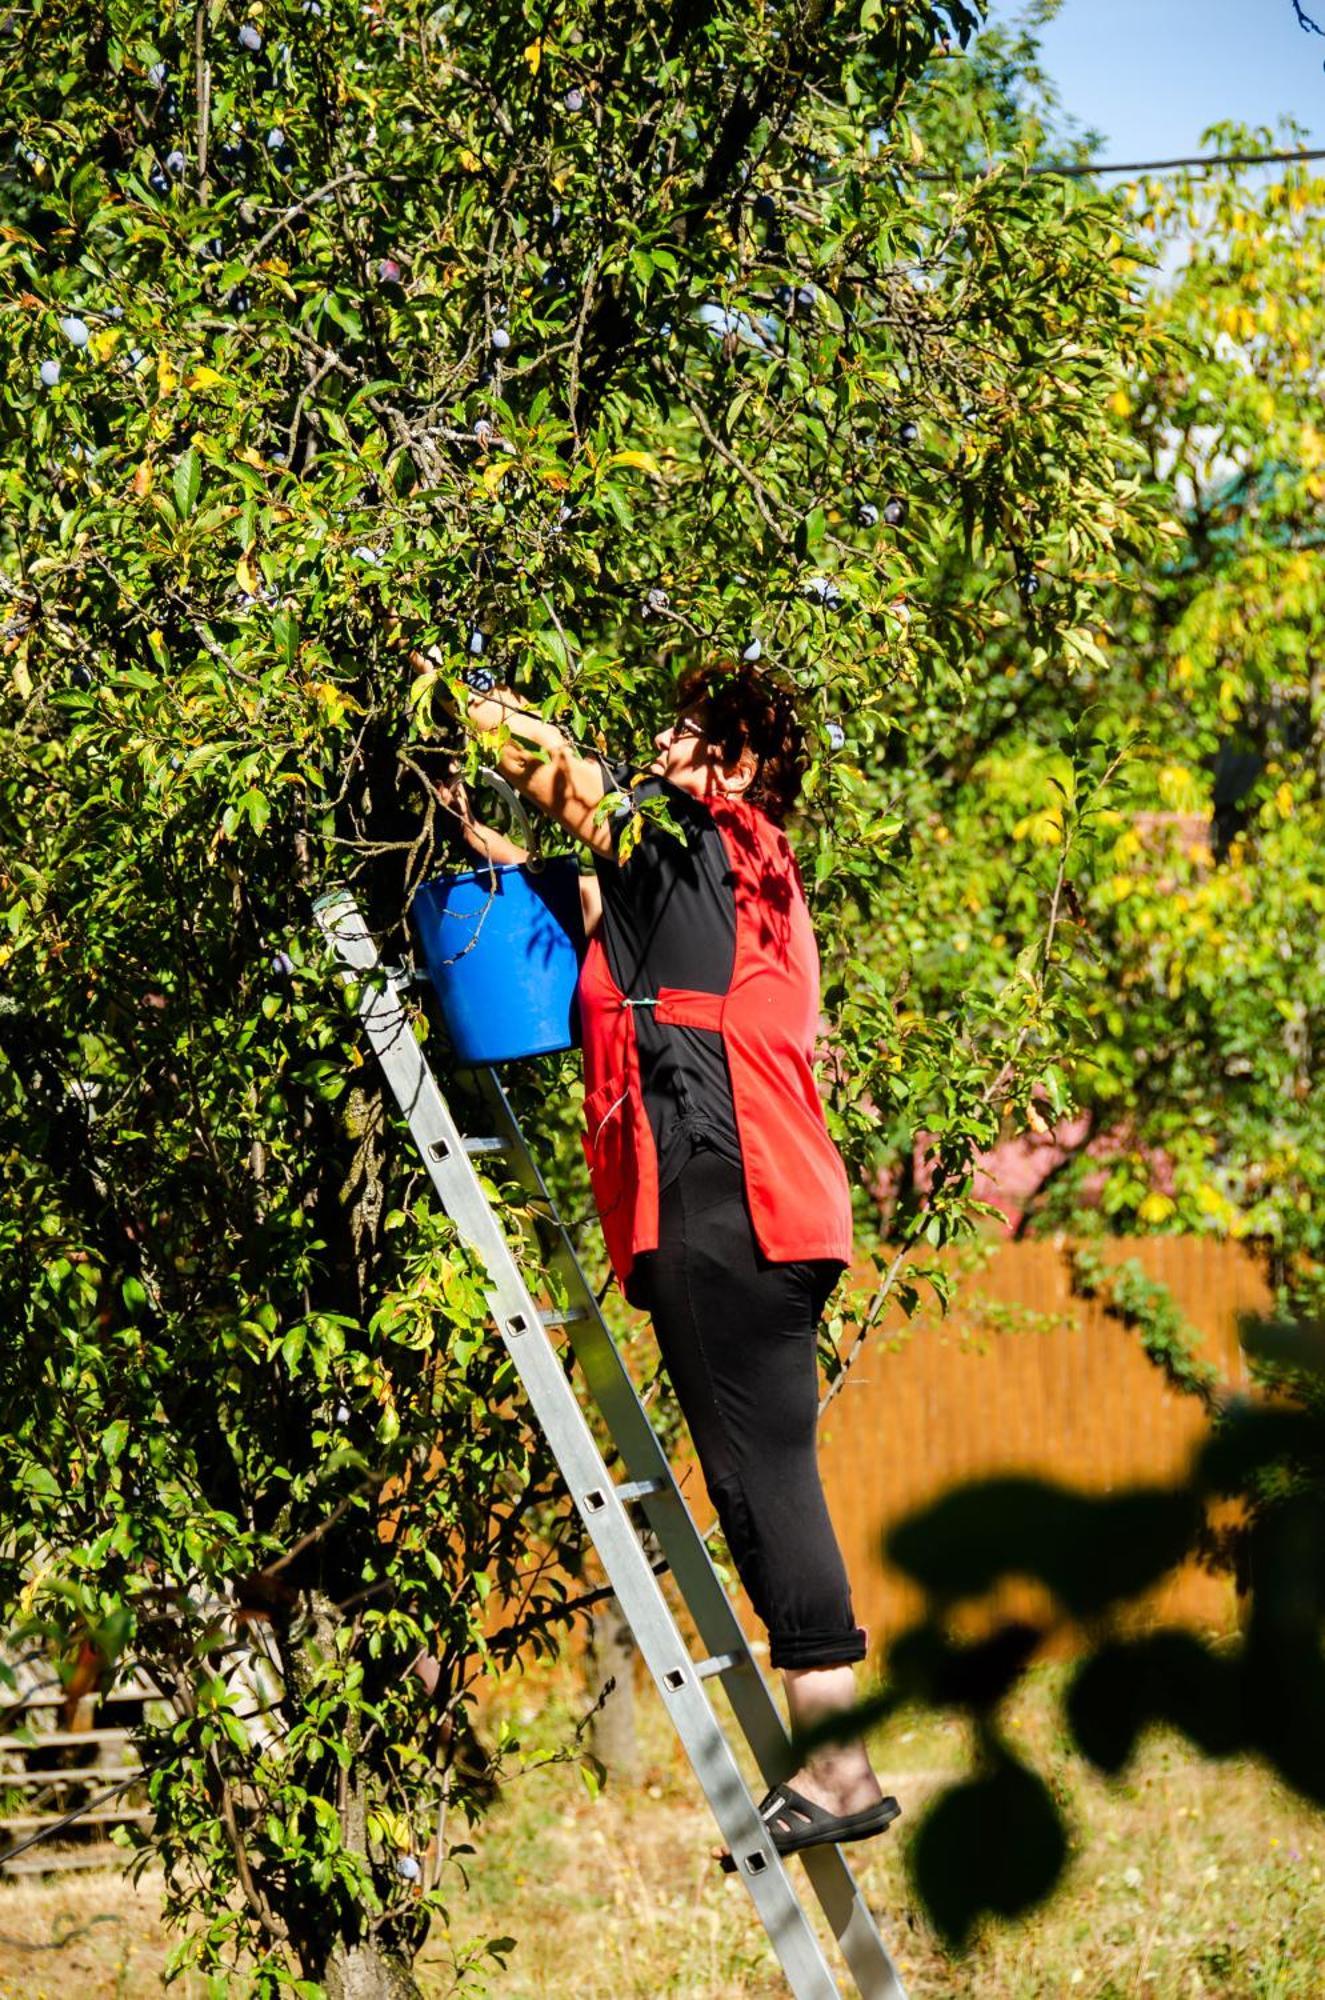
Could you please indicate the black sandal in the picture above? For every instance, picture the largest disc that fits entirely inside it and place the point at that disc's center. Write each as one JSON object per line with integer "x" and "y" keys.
{"x": 796, "y": 1822}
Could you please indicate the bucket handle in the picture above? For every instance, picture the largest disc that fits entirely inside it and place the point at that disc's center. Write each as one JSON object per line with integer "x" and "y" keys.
{"x": 511, "y": 798}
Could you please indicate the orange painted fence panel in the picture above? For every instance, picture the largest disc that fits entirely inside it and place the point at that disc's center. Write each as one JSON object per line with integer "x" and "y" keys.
{"x": 1023, "y": 1377}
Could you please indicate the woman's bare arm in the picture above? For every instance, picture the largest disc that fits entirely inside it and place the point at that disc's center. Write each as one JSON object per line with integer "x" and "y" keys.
{"x": 591, "y": 903}
{"x": 497, "y": 847}
{"x": 542, "y": 763}
{"x": 493, "y": 846}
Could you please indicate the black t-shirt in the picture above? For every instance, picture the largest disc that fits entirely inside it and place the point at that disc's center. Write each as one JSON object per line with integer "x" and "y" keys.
{"x": 669, "y": 919}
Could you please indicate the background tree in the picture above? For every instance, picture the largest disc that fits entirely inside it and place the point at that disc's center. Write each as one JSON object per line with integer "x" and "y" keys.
{"x": 1196, "y": 907}
{"x": 1209, "y": 915}
{"x": 1199, "y": 1002}
{"x": 586, "y": 348}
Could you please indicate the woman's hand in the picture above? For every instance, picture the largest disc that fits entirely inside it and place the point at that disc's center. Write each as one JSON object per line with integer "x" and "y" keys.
{"x": 537, "y": 758}
{"x": 453, "y": 798}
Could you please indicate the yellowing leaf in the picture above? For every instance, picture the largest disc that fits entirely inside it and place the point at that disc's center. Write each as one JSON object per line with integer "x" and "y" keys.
{"x": 1156, "y": 1208}
{"x": 244, "y": 576}
{"x": 167, "y": 375}
{"x": 533, "y": 54}
{"x": 630, "y": 837}
{"x": 644, "y": 460}
{"x": 104, "y": 342}
{"x": 205, "y": 378}
{"x": 1179, "y": 788}
{"x": 1043, "y": 829}
{"x": 1283, "y": 798}
{"x": 469, "y": 161}
{"x": 250, "y": 457}
{"x": 1211, "y": 1201}
{"x": 494, "y": 474}
{"x": 142, "y": 480}
{"x": 334, "y": 703}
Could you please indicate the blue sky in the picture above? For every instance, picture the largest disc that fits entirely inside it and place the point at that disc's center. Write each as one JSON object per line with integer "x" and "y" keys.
{"x": 1152, "y": 74}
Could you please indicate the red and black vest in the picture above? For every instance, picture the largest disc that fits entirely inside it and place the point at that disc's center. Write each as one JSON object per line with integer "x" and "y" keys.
{"x": 795, "y": 1181}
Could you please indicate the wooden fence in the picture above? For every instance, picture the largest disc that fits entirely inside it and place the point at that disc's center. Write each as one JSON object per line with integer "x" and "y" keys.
{"x": 1024, "y": 1377}
{"x": 61, "y": 1752}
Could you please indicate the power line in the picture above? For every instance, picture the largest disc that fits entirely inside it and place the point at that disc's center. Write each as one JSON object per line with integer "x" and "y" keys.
{"x": 1193, "y": 160}
{"x": 1142, "y": 166}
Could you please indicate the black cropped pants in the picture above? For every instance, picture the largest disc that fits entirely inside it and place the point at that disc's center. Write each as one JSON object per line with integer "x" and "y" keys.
{"x": 737, "y": 1335}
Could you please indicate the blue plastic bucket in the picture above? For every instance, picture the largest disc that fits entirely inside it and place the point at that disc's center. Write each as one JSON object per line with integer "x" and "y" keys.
{"x": 503, "y": 948}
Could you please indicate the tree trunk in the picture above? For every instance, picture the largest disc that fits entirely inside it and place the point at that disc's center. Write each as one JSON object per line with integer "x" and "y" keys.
{"x": 365, "y": 1972}
{"x": 612, "y": 1658}
{"x": 347, "y": 1967}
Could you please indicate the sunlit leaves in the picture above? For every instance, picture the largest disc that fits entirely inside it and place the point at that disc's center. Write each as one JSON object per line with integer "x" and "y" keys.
{"x": 475, "y": 327}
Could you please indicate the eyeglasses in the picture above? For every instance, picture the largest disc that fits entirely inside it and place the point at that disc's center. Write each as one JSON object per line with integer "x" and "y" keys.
{"x": 690, "y": 726}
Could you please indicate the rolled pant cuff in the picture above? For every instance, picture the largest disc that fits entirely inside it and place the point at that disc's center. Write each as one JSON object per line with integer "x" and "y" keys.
{"x": 815, "y": 1649}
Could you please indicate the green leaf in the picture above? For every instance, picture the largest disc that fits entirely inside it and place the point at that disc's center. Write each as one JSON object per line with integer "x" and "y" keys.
{"x": 187, "y": 482}
{"x": 994, "y": 1843}
{"x": 811, "y": 532}
{"x": 113, "y": 1440}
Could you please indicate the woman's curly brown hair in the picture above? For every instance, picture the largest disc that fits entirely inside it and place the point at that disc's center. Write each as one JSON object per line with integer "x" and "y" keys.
{"x": 740, "y": 703}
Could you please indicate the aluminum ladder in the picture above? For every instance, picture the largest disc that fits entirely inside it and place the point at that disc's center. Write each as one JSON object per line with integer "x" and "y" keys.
{"x": 605, "y": 1503}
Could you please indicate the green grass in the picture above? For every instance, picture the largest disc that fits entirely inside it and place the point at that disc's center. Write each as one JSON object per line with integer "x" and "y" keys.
{"x": 1187, "y": 1879}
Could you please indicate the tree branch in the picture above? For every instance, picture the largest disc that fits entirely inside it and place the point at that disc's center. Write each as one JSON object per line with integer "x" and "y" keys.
{"x": 202, "y": 71}
{"x": 299, "y": 208}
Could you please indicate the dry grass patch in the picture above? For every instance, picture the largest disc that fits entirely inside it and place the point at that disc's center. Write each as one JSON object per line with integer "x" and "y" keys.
{"x": 1189, "y": 1880}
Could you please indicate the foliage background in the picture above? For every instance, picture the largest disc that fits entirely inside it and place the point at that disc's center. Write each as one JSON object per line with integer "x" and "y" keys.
{"x": 592, "y": 348}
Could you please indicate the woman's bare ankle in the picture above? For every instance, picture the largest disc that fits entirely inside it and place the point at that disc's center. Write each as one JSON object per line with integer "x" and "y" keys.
{"x": 842, "y": 1784}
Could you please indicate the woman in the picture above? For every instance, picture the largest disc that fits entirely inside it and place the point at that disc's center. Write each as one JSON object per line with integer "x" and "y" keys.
{"x": 725, "y": 1205}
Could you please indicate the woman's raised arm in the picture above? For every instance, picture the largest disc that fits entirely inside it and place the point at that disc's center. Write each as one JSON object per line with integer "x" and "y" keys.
{"x": 539, "y": 761}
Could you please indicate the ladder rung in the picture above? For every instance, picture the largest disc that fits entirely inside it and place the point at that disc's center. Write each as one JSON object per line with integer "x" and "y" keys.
{"x": 638, "y": 1489}
{"x": 559, "y": 1318}
{"x": 721, "y": 1663}
{"x": 441, "y": 1149}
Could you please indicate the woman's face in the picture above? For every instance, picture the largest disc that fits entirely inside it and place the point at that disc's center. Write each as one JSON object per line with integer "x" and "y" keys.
{"x": 691, "y": 763}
